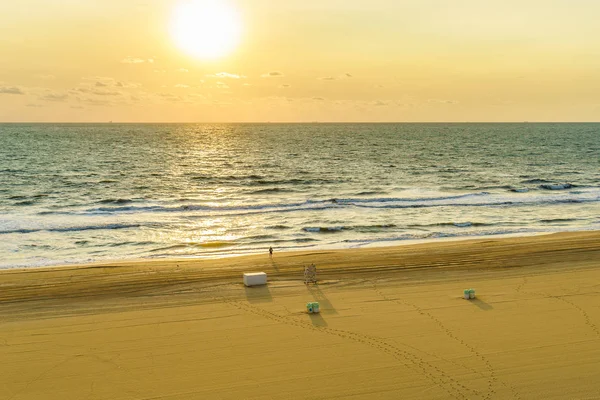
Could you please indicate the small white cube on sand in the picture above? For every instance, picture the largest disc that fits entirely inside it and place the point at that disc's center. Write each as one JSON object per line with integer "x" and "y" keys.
{"x": 255, "y": 278}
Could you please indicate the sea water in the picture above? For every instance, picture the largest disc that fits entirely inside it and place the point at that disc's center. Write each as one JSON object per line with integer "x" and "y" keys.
{"x": 79, "y": 193}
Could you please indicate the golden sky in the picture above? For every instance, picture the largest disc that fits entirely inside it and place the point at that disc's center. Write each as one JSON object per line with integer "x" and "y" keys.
{"x": 304, "y": 60}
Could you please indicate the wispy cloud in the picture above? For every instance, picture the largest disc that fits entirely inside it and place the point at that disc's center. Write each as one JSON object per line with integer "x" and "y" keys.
{"x": 273, "y": 74}
{"x": 136, "y": 60}
{"x": 441, "y": 101}
{"x": 105, "y": 81}
{"x": 95, "y": 102}
{"x": 182, "y": 86}
{"x": 33, "y": 105}
{"x": 225, "y": 75}
{"x": 285, "y": 86}
{"x": 335, "y": 78}
{"x": 53, "y": 96}
{"x": 171, "y": 97}
{"x": 318, "y": 98}
{"x": 106, "y": 93}
{"x": 10, "y": 90}
{"x": 182, "y": 70}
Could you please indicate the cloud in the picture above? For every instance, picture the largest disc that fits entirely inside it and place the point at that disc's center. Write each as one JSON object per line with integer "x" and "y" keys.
{"x": 182, "y": 86}
{"x": 318, "y": 98}
{"x": 10, "y": 90}
{"x": 78, "y": 107}
{"x": 285, "y": 85}
{"x": 136, "y": 60}
{"x": 182, "y": 70}
{"x": 170, "y": 97}
{"x": 380, "y": 103}
{"x": 440, "y": 101}
{"x": 273, "y": 74}
{"x": 95, "y": 102}
{"x": 106, "y": 93}
{"x": 222, "y": 85}
{"x": 333, "y": 78}
{"x": 52, "y": 96}
{"x": 104, "y": 81}
{"x": 34, "y": 105}
{"x": 225, "y": 75}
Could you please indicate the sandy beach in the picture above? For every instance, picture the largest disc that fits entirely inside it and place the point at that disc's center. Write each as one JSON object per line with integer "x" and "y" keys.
{"x": 393, "y": 325}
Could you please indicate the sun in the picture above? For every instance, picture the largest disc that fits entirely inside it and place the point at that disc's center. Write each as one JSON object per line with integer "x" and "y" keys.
{"x": 206, "y": 29}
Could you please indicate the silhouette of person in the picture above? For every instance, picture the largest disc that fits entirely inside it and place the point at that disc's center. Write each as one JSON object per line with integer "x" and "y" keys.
{"x": 270, "y": 251}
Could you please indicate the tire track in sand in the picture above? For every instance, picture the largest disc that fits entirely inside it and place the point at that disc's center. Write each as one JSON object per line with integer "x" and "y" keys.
{"x": 493, "y": 381}
{"x": 586, "y": 317}
{"x": 432, "y": 373}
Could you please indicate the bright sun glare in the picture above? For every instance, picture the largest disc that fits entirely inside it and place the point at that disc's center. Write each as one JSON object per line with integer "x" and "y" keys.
{"x": 206, "y": 29}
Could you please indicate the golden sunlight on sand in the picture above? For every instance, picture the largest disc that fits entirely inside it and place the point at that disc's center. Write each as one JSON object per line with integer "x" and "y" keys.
{"x": 392, "y": 325}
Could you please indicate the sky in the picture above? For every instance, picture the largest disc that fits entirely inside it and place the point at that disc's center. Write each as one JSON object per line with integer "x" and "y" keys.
{"x": 304, "y": 61}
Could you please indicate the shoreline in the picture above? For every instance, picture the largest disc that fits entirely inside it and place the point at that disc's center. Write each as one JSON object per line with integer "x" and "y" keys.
{"x": 336, "y": 247}
{"x": 482, "y": 253}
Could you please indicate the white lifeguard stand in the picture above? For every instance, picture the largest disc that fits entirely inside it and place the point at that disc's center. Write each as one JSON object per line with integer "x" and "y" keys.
{"x": 310, "y": 274}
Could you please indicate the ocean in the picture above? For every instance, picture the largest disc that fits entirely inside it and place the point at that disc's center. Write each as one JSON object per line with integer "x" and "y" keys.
{"x": 73, "y": 193}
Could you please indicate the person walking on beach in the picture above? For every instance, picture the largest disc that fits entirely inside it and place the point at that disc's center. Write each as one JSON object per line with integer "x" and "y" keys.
{"x": 270, "y": 251}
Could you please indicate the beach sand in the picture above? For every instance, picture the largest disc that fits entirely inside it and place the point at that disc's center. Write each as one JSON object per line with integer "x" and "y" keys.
{"x": 393, "y": 325}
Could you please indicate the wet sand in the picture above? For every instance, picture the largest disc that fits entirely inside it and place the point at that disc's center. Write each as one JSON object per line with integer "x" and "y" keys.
{"x": 393, "y": 325}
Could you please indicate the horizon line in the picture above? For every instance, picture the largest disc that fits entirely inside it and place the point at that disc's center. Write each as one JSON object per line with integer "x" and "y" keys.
{"x": 292, "y": 122}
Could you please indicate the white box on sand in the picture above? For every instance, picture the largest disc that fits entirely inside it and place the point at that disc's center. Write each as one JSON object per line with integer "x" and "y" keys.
{"x": 255, "y": 278}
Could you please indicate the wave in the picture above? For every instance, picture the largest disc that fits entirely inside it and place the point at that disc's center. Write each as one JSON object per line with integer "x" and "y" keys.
{"x": 216, "y": 244}
{"x": 278, "y": 227}
{"x": 535, "y": 181}
{"x": 115, "y": 201}
{"x": 464, "y": 224}
{"x": 358, "y": 228}
{"x": 478, "y": 199}
{"x": 370, "y": 192}
{"x": 558, "y": 186}
{"x": 25, "y": 203}
{"x": 441, "y": 235}
{"x": 324, "y": 229}
{"x": 271, "y": 190}
{"x": 294, "y": 181}
{"x": 258, "y": 180}
{"x": 553, "y": 220}
{"x": 71, "y": 229}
